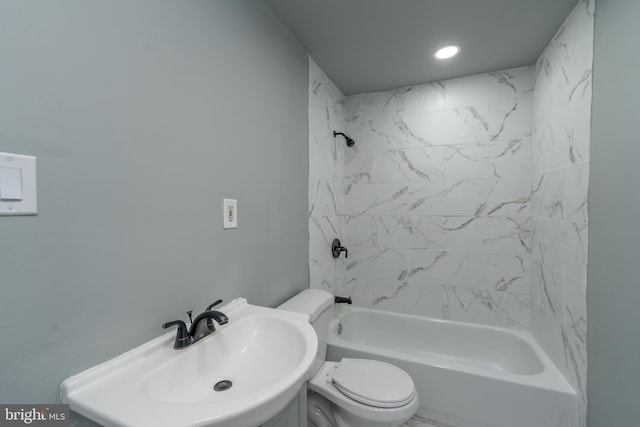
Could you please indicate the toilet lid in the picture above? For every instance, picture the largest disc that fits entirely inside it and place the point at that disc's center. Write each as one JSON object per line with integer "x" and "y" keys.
{"x": 374, "y": 383}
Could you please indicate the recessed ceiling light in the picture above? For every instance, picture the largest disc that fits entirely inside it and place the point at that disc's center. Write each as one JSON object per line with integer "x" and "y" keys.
{"x": 447, "y": 52}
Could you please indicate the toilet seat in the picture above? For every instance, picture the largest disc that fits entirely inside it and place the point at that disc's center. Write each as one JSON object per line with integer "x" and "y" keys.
{"x": 374, "y": 383}
{"x": 365, "y": 414}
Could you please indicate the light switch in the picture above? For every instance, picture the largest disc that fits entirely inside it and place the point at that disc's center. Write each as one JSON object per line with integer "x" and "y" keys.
{"x": 18, "y": 189}
{"x": 10, "y": 184}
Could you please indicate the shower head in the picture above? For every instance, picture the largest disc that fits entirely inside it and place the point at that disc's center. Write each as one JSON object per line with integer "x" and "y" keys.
{"x": 350, "y": 141}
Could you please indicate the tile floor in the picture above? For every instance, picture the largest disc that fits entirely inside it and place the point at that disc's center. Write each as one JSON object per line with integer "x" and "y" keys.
{"x": 418, "y": 421}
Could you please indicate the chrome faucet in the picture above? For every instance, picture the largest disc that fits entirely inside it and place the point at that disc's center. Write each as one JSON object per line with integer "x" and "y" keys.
{"x": 199, "y": 327}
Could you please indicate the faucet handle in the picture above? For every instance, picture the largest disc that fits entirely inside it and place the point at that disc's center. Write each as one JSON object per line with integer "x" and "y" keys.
{"x": 183, "y": 339}
{"x": 190, "y": 314}
{"x": 213, "y": 305}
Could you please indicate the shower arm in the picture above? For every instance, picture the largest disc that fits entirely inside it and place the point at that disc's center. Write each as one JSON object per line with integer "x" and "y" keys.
{"x": 339, "y": 133}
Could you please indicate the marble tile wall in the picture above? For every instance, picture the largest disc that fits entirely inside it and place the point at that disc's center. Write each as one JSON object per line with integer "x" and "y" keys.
{"x": 326, "y": 180}
{"x": 560, "y": 171}
{"x": 437, "y": 193}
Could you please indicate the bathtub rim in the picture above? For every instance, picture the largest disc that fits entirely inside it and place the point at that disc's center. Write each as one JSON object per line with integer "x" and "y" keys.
{"x": 550, "y": 378}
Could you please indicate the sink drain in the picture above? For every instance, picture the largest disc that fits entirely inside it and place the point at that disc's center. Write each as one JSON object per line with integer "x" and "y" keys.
{"x": 222, "y": 385}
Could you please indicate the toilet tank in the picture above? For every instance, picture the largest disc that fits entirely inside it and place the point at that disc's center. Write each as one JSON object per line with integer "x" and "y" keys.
{"x": 318, "y": 304}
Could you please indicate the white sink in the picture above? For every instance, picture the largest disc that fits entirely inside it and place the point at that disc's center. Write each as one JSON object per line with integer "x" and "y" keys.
{"x": 265, "y": 354}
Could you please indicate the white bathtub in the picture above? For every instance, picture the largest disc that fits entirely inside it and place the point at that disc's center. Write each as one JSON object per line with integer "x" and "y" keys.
{"x": 466, "y": 375}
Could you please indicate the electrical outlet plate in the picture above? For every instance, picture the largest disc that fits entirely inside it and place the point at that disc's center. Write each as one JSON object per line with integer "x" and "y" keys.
{"x": 230, "y": 213}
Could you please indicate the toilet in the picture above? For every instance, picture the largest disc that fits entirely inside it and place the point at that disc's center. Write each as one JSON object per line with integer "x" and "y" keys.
{"x": 352, "y": 392}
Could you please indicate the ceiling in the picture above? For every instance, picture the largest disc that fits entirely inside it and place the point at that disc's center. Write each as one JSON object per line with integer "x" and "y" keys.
{"x": 372, "y": 45}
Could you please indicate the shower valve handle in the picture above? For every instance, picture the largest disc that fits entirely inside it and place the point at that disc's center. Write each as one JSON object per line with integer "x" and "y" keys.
{"x": 336, "y": 248}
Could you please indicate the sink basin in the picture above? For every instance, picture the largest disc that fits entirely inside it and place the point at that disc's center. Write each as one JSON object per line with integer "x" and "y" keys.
{"x": 251, "y": 358}
{"x": 241, "y": 375}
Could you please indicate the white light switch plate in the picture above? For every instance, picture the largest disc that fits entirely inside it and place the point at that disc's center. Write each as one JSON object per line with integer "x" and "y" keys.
{"x": 230, "y": 213}
{"x": 19, "y": 195}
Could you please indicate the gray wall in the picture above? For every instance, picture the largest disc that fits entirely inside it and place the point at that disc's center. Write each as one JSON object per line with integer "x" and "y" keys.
{"x": 613, "y": 293}
{"x": 143, "y": 116}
